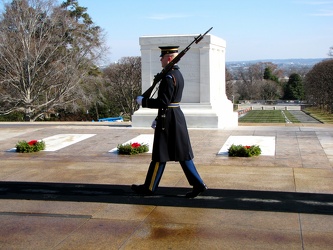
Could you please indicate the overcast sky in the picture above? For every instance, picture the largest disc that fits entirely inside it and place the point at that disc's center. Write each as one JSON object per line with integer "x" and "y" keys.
{"x": 252, "y": 29}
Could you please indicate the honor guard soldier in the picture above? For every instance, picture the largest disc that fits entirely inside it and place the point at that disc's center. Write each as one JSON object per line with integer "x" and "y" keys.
{"x": 171, "y": 138}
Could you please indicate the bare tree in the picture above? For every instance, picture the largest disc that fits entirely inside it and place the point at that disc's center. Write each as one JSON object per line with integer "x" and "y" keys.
{"x": 251, "y": 84}
{"x": 270, "y": 90}
{"x": 229, "y": 88}
{"x": 124, "y": 78}
{"x": 248, "y": 86}
{"x": 45, "y": 51}
{"x": 94, "y": 94}
{"x": 318, "y": 85}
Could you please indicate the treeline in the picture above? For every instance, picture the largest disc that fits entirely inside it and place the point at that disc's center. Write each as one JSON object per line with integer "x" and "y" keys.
{"x": 265, "y": 81}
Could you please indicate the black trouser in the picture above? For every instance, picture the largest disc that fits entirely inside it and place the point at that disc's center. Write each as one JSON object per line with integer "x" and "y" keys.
{"x": 156, "y": 169}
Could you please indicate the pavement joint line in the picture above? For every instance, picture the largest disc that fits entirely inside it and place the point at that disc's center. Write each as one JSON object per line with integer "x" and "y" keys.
{"x": 76, "y": 216}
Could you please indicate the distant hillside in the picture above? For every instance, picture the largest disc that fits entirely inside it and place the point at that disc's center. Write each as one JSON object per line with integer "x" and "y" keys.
{"x": 279, "y": 62}
{"x": 288, "y": 66}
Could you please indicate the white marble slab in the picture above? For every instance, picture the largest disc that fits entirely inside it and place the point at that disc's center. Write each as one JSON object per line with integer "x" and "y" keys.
{"x": 142, "y": 139}
{"x": 266, "y": 144}
{"x": 56, "y": 142}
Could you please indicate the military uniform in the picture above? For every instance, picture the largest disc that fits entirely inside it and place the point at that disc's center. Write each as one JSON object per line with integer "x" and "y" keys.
{"x": 171, "y": 138}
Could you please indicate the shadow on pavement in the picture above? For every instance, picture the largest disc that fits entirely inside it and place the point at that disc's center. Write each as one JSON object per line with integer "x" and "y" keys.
{"x": 271, "y": 201}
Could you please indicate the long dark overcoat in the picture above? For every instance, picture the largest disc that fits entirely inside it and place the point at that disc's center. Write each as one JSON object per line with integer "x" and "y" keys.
{"x": 171, "y": 138}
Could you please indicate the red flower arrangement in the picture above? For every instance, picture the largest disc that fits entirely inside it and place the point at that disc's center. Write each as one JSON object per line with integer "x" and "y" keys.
{"x": 244, "y": 151}
{"x": 31, "y": 146}
{"x": 132, "y": 148}
{"x": 32, "y": 143}
{"x": 135, "y": 145}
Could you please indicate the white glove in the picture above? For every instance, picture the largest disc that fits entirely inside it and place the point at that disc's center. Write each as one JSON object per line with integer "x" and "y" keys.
{"x": 139, "y": 99}
{"x": 153, "y": 125}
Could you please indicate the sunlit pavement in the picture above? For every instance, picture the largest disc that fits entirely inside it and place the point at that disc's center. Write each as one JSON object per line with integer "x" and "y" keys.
{"x": 79, "y": 196}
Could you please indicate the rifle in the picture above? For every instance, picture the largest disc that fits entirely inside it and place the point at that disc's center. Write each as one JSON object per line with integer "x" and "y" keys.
{"x": 159, "y": 76}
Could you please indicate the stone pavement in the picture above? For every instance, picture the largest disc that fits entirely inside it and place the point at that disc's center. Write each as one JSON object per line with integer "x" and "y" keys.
{"x": 79, "y": 197}
{"x": 302, "y": 117}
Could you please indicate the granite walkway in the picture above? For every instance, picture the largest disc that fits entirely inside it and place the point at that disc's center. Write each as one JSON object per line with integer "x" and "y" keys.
{"x": 79, "y": 197}
{"x": 303, "y": 117}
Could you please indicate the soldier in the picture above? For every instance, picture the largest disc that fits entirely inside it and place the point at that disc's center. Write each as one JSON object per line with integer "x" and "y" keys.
{"x": 171, "y": 138}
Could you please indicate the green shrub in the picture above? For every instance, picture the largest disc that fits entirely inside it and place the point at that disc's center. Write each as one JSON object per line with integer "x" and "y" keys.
{"x": 12, "y": 117}
{"x": 31, "y": 146}
{"x": 244, "y": 151}
{"x": 132, "y": 148}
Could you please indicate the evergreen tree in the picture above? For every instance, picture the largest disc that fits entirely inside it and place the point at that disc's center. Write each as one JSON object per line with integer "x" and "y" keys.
{"x": 294, "y": 89}
{"x": 268, "y": 75}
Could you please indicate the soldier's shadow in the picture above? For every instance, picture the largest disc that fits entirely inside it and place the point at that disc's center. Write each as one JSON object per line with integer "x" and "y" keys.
{"x": 171, "y": 196}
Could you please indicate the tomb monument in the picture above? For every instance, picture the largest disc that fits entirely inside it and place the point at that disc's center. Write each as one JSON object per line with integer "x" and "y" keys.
{"x": 204, "y": 102}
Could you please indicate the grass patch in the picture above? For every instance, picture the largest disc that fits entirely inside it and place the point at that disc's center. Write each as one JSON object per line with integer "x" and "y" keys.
{"x": 267, "y": 116}
{"x": 320, "y": 115}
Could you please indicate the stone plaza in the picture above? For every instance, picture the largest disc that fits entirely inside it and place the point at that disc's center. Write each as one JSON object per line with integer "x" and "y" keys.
{"x": 77, "y": 195}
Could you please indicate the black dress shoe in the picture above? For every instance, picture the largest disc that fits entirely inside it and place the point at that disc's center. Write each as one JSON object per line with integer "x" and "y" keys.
{"x": 141, "y": 189}
{"x": 196, "y": 191}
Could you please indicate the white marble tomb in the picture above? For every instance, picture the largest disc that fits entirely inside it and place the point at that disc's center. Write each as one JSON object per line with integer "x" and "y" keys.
{"x": 204, "y": 102}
